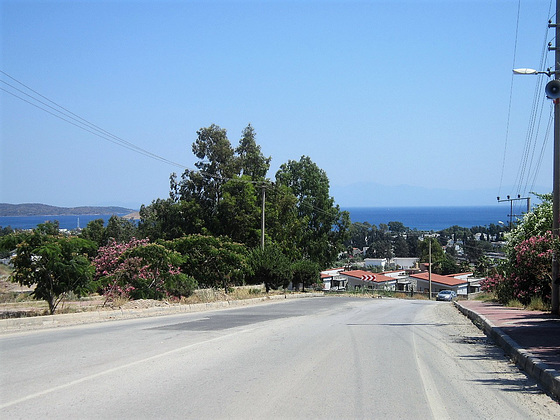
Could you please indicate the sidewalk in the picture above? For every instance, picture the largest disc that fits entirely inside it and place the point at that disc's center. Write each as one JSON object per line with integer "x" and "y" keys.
{"x": 530, "y": 338}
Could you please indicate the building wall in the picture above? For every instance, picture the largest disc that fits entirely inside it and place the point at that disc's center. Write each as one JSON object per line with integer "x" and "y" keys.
{"x": 404, "y": 263}
{"x": 375, "y": 262}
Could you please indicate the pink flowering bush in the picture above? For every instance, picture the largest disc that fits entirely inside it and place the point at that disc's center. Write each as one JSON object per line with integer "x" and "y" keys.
{"x": 527, "y": 273}
{"x": 531, "y": 274}
{"x": 139, "y": 269}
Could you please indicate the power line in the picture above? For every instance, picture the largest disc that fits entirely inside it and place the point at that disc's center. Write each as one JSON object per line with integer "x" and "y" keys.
{"x": 543, "y": 147}
{"x": 510, "y": 98}
{"x": 529, "y": 165}
{"x": 70, "y": 117}
{"x": 64, "y": 114}
{"x": 77, "y": 121}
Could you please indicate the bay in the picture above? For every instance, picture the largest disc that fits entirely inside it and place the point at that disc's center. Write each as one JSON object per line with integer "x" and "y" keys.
{"x": 432, "y": 218}
{"x": 65, "y": 222}
{"x": 420, "y": 218}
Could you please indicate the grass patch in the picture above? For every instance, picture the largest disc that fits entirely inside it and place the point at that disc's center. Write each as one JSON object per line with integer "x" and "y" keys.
{"x": 486, "y": 297}
{"x": 5, "y": 270}
{"x": 15, "y": 297}
{"x": 514, "y": 303}
{"x": 537, "y": 304}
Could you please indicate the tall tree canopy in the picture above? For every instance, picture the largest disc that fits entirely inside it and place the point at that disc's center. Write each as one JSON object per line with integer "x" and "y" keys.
{"x": 324, "y": 225}
{"x": 56, "y": 265}
{"x": 222, "y": 193}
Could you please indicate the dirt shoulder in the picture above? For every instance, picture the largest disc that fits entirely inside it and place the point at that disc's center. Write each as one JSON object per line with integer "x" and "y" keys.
{"x": 94, "y": 311}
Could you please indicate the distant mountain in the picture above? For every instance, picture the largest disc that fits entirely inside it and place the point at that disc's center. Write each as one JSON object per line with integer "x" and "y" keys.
{"x": 35, "y": 209}
{"x": 371, "y": 194}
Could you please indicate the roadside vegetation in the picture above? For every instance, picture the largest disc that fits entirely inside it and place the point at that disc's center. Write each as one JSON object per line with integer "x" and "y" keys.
{"x": 207, "y": 236}
{"x": 523, "y": 278}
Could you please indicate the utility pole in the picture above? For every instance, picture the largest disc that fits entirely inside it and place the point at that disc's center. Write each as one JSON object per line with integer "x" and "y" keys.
{"x": 430, "y": 265}
{"x": 552, "y": 91}
{"x": 511, "y": 200}
{"x": 555, "y": 298}
{"x": 262, "y": 215}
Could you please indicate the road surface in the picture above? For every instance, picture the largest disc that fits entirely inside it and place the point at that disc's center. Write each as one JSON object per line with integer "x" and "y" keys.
{"x": 330, "y": 357}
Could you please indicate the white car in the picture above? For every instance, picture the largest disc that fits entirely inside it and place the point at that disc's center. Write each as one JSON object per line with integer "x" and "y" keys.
{"x": 446, "y": 295}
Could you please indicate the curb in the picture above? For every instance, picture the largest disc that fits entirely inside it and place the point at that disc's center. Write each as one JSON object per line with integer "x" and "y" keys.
{"x": 12, "y": 325}
{"x": 547, "y": 377}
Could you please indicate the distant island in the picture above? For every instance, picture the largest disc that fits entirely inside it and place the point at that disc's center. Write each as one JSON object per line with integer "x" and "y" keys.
{"x": 35, "y": 209}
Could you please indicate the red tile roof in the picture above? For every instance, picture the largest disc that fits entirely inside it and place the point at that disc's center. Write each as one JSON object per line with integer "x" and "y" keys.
{"x": 379, "y": 278}
{"x": 447, "y": 280}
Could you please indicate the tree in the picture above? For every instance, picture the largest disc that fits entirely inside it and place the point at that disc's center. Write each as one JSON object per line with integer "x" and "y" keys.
{"x": 397, "y": 227}
{"x": 223, "y": 190}
{"x": 413, "y": 242}
{"x": 380, "y": 244}
{"x": 400, "y": 246}
{"x": 119, "y": 229}
{"x": 217, "y": 164}
{"x": 324, "y": 225}
{"x": 56, "y": 265}
{"x": 441, "y": 263}
{"x": 529, "y": 275}
{"x": 527, "y": 271}
{"x": 252, "y": 162}
{"x": 283, "y": 225}
{"x": 239, "y": 213}
{"x": 305, "y": 272}
{"x": 358, "y": 235}
{"x": 48, "y": 228}
{"x": 5, "y": 231}
{"x": 139, "y": 269}
{"x": 95, "y": 232}
{"x": 436, "y": 250}
{"x": 167, "y": 219}
{"x": 269, "y": 266}
{"x": 9, "y": 243}
{"x": 212, "y": 261}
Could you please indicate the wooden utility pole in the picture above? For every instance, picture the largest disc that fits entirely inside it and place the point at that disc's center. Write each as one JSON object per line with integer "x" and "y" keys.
{"x": 262, "y": 215}
{"x": 430, "y": 265}
{"x": 555, "y": 286}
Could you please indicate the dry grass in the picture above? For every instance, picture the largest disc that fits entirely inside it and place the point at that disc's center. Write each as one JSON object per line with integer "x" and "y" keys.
{"x": 514, "y": 303}
{"x": 537, "y": 304}
{"x": 216, "y": 295}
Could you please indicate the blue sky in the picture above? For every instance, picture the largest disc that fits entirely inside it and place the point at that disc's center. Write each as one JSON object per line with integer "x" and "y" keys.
{"x": 400, "y": 102}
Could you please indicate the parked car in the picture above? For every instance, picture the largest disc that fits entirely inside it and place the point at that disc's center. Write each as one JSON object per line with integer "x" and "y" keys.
{"x": 446, "y": 295}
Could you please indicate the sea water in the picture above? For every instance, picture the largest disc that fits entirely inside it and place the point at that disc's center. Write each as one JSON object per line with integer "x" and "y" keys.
{"x": 420, "y": 218}
{"x": 65, "y": 222}
{"x": 432, "y": 218}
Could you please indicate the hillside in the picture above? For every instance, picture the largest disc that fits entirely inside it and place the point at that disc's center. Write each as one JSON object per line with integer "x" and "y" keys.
{"x": 35, "y": 209}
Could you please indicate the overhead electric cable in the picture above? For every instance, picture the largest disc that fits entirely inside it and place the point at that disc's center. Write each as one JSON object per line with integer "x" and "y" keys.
{"x": 543, "y": 147}
{"x": 80, "y": 122}
{"x": 510, "y": 99}
{"x": 523, "y": 174}
{"x": 70, "y": 117}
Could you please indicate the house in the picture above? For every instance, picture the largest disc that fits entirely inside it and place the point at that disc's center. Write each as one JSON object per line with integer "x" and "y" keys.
{"x": 458, "y": 285}
{"x": 375, "y": 262}
{"x": 405, "y": 263}
{"x": 403, "y": 282}
{"x": 360, "y": 279}
{"x": 332, "y": 280}
{"x": 473, "y": 282}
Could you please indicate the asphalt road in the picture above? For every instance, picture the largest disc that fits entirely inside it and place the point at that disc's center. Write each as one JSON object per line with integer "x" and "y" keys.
{"x": 306, "y": 358}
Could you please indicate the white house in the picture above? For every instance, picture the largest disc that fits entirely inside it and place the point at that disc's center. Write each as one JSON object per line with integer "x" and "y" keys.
{"x": 405, "y": 263}
{"x": 439, "y": 283}
{"x": 375, "y": 262}
{"x": 332, "y": 280}
{"x": 474, "y": 282}
{"x": 360, "y": 279}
